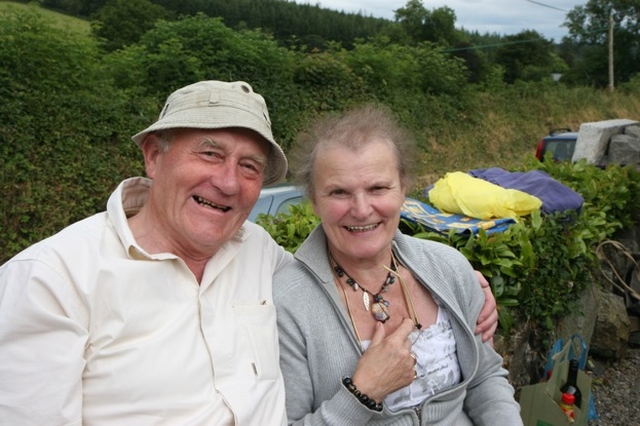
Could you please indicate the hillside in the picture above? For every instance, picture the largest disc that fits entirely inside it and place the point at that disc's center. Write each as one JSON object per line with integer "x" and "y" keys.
{"x": 84, "y": 143}
{"x": 64, "y": 21}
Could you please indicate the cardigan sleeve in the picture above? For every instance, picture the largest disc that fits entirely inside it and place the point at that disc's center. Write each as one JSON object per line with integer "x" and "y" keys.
{"x": 296, "y": 329}
{"x": 490, "y": 397}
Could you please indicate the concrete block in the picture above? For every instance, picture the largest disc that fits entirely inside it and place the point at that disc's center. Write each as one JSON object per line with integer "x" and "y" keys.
{"x": 633, "y": 131}
{"x": 593, "y": 139}
{"x": 624, "y": 149}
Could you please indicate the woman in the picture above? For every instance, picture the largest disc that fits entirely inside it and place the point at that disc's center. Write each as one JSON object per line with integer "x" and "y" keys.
{"x": 376, "y": 327}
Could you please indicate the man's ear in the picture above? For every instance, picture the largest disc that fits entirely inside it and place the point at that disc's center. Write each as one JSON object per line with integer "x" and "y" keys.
{"x": 151, "y": 150}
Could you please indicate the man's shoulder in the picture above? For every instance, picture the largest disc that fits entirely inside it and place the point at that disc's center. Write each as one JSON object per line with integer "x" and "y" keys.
{"x": 257, "y": 243}
{"x": 255, "y": 234}
{"x": 71, "y": 240}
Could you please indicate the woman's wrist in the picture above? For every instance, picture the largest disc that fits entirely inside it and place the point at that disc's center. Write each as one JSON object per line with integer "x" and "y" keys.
{"x": 362, "y": 397}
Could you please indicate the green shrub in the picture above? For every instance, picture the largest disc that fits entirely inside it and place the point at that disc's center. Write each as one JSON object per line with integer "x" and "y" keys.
{"x": 538, "y": 267}
{"x": 291, "y": 228}
{"x": 64, "y": 136}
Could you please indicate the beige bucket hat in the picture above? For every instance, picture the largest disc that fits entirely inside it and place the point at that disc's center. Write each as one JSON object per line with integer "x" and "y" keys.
{"x": 218, "y": 105}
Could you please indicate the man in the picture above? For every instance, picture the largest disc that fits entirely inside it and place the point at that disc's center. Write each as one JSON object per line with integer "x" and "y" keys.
{"x": 158, "y": 310}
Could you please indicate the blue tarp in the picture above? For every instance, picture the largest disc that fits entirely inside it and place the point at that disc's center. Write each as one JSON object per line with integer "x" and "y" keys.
{"x": 555, "y": 196}
{"x": 433, "y": 219}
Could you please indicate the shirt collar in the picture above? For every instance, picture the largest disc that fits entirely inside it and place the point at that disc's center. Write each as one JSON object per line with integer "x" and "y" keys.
{"x": 127, "y": 200}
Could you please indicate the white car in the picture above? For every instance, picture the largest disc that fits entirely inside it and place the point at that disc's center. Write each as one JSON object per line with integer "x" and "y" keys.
{"x": 275, "y": 199}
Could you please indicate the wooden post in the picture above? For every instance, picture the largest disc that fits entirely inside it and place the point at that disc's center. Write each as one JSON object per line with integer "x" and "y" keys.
{"x": 611, "y": 78}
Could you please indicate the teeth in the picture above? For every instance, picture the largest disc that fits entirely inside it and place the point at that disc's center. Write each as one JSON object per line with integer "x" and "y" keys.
{"x": 361, "y": 228}
{"x": 206, "y": 202}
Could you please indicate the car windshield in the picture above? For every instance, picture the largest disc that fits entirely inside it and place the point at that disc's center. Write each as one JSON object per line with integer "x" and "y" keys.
{"x": 560, "y": 149}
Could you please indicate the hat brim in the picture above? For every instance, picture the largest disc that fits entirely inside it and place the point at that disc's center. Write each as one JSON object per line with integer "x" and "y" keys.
{"x": 202, "y": 118}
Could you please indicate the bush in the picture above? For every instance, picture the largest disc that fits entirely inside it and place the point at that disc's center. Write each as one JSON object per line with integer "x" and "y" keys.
{"x": 538, "y": 267}
{"x": 64, "y": 137}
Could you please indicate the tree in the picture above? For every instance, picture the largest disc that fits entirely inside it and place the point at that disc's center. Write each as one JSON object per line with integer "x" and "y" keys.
{"x": 122, "y": 22}
{"x": 588, "y": 26}
{"x": 177, "y": 53}
{"x": 412, "y": 18}
{"x": 475, "y": 62}
{"x": 440, "y": 27}
{"x": 528, "y": 56}
{"x": 420, "y": 24}
{"x": 83, "y": 8}
{"x": 284, "y": 19}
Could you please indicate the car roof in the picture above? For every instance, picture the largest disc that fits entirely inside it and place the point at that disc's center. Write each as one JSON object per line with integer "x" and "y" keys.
{"x": 278, "y": 188}
{"x": 273, "y": 197}
{"x": 563, "y": 136}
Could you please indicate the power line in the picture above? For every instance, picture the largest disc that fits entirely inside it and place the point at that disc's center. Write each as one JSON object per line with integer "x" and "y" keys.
{"x": 549, "y": 6}
{"x": 505, "y": 43}
{"x": 486, "y": 46}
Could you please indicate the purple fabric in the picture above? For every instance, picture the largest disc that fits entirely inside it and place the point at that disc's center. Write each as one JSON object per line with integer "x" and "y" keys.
{"x": 555, "y": 196}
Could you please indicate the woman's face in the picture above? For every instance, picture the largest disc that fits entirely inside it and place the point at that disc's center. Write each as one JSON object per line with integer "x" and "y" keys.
{"x": 358, "y": 196}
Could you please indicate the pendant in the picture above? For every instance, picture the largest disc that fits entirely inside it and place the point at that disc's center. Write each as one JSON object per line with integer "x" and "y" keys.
{"x": 365, "y": 300}
{"x": 380, "y": 311}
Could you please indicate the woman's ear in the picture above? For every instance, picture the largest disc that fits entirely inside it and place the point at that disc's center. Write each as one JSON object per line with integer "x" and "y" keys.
{"x": 312, "y": 200}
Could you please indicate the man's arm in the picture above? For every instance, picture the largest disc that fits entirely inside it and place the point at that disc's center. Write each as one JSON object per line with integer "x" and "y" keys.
{"x": 41, "y": 347}
{"x": 488, "y": 319}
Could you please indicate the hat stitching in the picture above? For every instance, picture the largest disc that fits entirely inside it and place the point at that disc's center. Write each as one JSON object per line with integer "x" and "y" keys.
{"x": 201, "y": 100}
{"x": 239, "y": 96}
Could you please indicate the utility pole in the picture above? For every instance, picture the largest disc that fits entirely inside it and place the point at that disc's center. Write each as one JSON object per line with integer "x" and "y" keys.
{"x": 611, "y": 79}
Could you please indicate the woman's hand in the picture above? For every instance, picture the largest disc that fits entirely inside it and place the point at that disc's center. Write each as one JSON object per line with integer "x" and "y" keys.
{"x": 387, "y": 365}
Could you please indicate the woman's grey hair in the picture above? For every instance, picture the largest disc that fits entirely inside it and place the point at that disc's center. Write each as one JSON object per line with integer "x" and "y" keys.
{"x": 355, "y": 130}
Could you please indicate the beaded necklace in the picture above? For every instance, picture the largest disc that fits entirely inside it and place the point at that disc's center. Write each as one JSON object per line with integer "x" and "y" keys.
{"x": 380, "y": 307}
{"x": 405, "y": 290}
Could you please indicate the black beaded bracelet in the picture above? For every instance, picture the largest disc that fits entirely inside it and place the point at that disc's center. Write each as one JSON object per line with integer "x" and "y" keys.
{"x": 362, "y": 397}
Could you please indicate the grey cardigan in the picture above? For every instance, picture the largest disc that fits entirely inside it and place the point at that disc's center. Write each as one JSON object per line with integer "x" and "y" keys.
{"x": 318, "y": 346}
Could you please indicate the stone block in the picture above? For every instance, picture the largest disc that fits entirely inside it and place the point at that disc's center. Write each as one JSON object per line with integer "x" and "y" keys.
{"x": 624, "y": 149}
{"x": 593, "y": 139}
{"x": 633, "y": 131}
{"x": 611, "y": 332}
{"x": 582, "y": 322}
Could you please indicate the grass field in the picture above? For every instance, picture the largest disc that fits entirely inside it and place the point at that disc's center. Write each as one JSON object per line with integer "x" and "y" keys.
{"x": 66, "y": 22}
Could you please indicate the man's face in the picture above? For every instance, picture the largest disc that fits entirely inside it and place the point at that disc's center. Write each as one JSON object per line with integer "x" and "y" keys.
{"x": 204, "y": 186}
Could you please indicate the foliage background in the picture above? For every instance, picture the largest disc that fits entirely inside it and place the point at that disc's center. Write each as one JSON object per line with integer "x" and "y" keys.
{"x": 538, "y": 267}
{"x": 72, "y": 92}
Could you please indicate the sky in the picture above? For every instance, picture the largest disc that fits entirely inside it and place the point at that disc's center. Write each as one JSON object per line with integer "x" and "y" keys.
{"x": 505, "y": 17}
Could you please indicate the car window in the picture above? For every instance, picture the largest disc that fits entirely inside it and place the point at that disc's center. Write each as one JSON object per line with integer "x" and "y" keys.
{"x": 562, "y": 150}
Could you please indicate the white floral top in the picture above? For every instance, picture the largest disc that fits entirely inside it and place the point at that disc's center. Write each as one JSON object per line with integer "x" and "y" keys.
{"x": 437, "y": 364}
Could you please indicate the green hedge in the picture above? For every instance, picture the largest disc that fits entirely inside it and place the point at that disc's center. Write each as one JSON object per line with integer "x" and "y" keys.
{"x": 68, "y": 110}
{"x": 538, "y": 267}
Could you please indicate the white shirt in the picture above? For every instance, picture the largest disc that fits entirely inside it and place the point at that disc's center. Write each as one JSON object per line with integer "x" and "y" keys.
{"x": 93, "y": 330}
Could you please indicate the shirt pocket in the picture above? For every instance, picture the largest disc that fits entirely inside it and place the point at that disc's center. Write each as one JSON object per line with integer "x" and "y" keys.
{"x": 257, "y": 323}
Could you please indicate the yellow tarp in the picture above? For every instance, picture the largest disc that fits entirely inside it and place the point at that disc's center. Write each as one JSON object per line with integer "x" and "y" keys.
{"x": 461, "y": 193}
